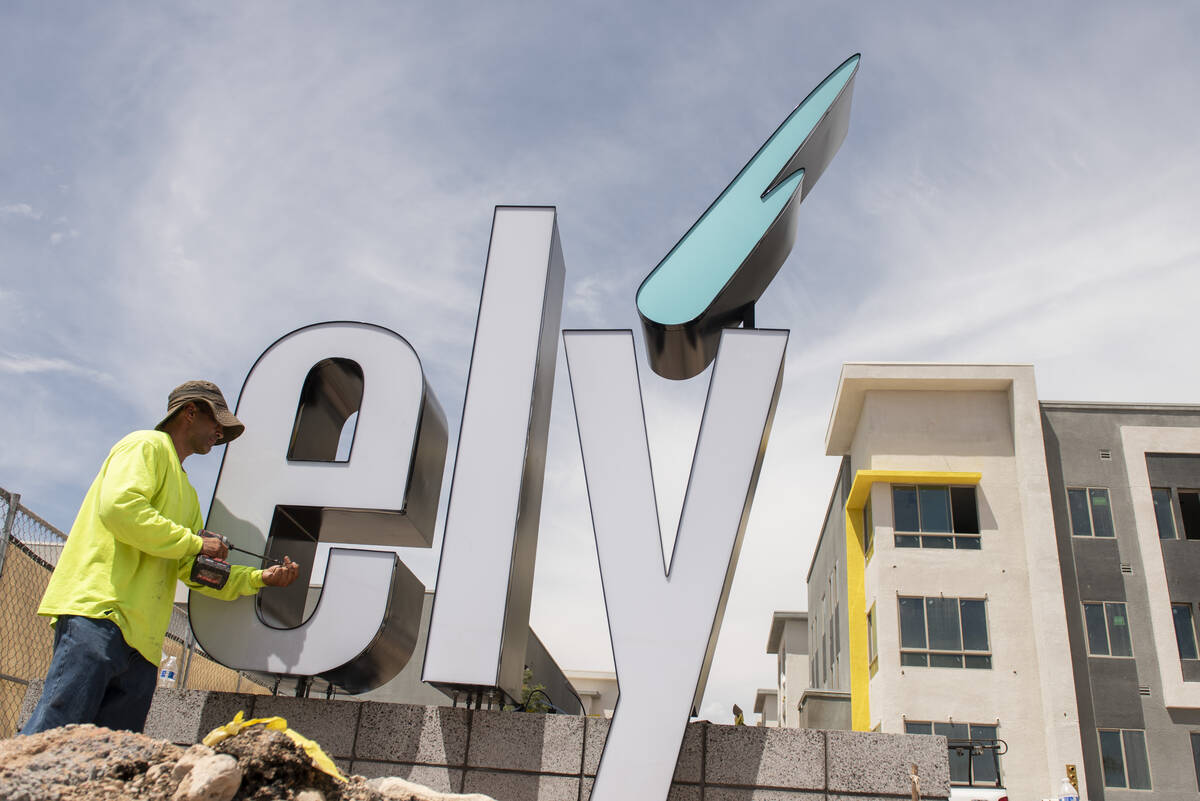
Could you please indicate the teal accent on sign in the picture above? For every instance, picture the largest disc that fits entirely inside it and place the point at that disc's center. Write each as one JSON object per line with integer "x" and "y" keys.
{"x": 691, "y": 276}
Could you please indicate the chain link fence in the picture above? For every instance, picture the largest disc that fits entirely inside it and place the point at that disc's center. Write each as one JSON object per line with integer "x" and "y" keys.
{"x": 29, "y": 550}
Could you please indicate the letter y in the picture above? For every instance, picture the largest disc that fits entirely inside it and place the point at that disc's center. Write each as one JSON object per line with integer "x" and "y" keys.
{"x": 664, "y": 626}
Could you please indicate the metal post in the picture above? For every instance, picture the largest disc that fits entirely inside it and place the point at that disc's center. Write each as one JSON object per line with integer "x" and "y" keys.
{"x": 189, "y": 647}
{"x": 14, "y": 503}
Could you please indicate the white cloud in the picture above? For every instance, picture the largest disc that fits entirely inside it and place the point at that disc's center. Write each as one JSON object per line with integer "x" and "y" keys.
{"x": 20, "y": 364}
{"x": 58, "y": 237}
{"x": 20, "y": 210}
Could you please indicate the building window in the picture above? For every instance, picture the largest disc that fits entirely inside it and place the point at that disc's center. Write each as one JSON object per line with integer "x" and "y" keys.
{"x": 936, "y": 517}
{"x": 944, "y": 632}
{"x": 837, "y": 638}
{"x": 872, "y": 641}
{"x": 1164, "y": 515}
{"x": 1091, "y": 515}
{"x": 1189, "y": 510}
{"x": 824, "y": 666}
{"x": 1185, "y": 630}
{"x": 1196, "y": 756}
{"x": 1123, "y": 758}
{"x": 1107, "y": 629}
{"x": 868, "y": 530}
{"x": 966, "y": 767}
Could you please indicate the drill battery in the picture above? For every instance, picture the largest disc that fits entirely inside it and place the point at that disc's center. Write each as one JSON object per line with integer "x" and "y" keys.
{"x": 210, "y": 572}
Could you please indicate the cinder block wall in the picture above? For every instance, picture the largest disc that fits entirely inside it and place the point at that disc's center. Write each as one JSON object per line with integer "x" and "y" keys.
{"x": 527, "y": 757}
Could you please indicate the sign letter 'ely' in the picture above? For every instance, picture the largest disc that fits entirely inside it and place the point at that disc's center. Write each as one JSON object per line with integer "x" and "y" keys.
{"x": 281, "y": 487}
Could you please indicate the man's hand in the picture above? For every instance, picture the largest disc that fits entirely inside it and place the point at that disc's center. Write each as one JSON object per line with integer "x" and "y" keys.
{"x": 281, "y": 575}
{"x": 214, "y": 545}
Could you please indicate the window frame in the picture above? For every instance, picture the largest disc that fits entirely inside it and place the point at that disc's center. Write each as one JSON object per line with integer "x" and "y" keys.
{"x": 932, "y": 726}
{"x": 1181, "y": 521}
{"x": 1104, "y": 605}
{"x": 1125, "y": 759}
{"x": 928, "y": 652}
{"x": 872, "y": 640}
{"x": 1091, "y": 513}
{"x": 1195, "y": 737}
{"x": 1191, "y": 630}
{"x": 1158, "y": 519}
{"x": 868, "y": 531}
{"x": 953, "y": 539}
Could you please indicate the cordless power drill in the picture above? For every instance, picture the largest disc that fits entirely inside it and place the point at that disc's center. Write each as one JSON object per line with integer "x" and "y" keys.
{"x": 213, "y": 572}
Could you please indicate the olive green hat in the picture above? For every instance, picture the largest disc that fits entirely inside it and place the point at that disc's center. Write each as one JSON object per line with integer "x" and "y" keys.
{"x": 208, "y": 393}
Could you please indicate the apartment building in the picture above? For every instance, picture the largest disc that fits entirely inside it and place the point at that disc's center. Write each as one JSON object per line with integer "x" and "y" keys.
{"x": 993, "y": 567}
{"x": 766, "y": 706}
{"x": 1125, "y": 490}
{"x": 788, "y": 643}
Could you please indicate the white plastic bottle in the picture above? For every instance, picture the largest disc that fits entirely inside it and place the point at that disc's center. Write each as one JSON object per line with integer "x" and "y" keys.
{"x": 166, "y": 673}
{"x": 1067, "y": 791}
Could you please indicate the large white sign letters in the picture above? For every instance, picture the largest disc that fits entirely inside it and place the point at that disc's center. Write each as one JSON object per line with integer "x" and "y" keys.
{"x": 480, "y": 620}
{"x": 664, "y": 625}
{"x": 282, "y": 490}
{"x": 286, "y": 486}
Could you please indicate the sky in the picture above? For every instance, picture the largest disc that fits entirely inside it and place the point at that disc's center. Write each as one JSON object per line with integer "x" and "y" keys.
{"x": 181, "y": 184}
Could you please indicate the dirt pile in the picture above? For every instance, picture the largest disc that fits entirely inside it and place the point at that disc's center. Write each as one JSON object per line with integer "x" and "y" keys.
{"x": 87, "y": 763}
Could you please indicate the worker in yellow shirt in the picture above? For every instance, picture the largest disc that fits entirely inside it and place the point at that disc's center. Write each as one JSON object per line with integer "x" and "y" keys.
{"x": 110, "y": 596}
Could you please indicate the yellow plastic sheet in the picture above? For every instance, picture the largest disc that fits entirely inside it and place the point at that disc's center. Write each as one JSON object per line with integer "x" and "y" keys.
{"x": 320, "y": 759}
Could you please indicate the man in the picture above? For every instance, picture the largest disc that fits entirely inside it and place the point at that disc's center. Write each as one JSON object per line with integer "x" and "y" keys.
{"x": 110, "y": 597}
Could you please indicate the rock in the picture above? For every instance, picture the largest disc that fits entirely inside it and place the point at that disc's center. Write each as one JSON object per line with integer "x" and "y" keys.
{"x": 394, "y": 788}
{"x": 79, "y": 762}
{"x": 189, "y": 759}
{"x": 212, "y": 778}
{"x": 156, "y": 773}
{"x": 87, "y": 763}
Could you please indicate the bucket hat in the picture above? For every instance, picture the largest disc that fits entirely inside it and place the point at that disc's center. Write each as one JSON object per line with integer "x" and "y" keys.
{"x": 208, "y": 393}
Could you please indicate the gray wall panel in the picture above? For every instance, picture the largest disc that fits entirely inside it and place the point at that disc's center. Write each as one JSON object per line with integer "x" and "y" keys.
{"x": 830, "y": 551}
{"x": 1115, "y": 693}
{"x": 1098, "y": 569}
{"x": 1173, "y": 470}
{"x": 1107, "y": 689}
{"x": 1182, "y": 561}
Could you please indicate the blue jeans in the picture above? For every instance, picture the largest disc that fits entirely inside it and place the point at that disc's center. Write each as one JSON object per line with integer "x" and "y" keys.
{"x": 94, "y": 677}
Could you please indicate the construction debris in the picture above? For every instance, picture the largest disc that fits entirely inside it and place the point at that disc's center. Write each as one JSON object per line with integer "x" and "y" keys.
{"x": 88, "y": 763}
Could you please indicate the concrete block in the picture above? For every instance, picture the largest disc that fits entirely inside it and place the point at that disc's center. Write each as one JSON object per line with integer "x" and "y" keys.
{"x": 32, "y": 693}
{"x": 181, "y": 716}
{"x": 792, "y": 759}
{"x": 526, "y": 741}
{"x": 872, "y": 763}
{"x": 678, "y": 792}
{"x": 868, "y": 797}
{"x": 713, "y": 793}
{"x": 521, "y": 786}
{"x": 407, "y": 733}
{"x": 595, "y": 734}
{"x": 857, "y": 797}
{"x": 444, "y": 780}
{"x": 691, "y": 753}
{"x": 684, "y": 792}
{"x": 186, "y": 716}
{"x": 331, "y": 723}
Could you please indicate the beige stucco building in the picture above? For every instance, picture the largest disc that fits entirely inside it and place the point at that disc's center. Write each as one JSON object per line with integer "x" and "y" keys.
{"x": 935, "y": 596}
{"x": 998, "y": 568}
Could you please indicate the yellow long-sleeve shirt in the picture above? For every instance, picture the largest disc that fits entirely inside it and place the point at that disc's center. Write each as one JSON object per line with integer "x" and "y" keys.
{"x": 133, "y": 537}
